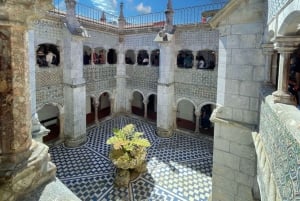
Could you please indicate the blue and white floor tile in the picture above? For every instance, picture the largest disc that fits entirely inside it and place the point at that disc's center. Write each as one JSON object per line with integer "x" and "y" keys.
{"x": 179, "y": 168}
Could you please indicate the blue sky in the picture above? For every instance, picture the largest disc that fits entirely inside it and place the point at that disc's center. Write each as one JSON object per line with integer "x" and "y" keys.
{"x": 138, "y": 7}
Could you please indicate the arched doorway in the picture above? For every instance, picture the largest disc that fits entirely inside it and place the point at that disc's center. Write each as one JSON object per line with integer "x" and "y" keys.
{"x": 185, "y": 117}
{"x": 112, "y": 56}
{"x": 137, "y": 104}
{"x": 87, "y": 51}
{"x": 104, "y": 106}
{"x": 143, "y": 58}
{"x": 185, "y": 59}
{"x": 152, "y": 107}
{"x": 155, "y": 57}
{"x": 49, "y": 118}
{"x": 47, "y": 55}
{"x": 206, "y": 126}
{"x": 206, "y": 59}
{"x": 90, "y": 111}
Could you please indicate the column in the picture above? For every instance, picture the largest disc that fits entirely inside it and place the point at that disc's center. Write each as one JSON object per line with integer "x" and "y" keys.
{"x": 274, "y": 68}
{"x": 175, "y": 117}
{"x": 25, "y": 163}
{"x": 149, "y": 58}
{"x": 197, "y": 113}
{"x": 282, "y": 95}
{"x": 92, "y": 57}
{"x": 145, "y": 109}
{"x": 195, "y": 60}
{"x": 96, "y": 105}
{"x": 74, "y": 91}
{"x": 268, "y": 51}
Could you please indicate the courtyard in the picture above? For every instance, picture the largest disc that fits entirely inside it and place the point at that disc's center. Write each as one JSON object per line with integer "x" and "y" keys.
{"x": 178, "y": 168}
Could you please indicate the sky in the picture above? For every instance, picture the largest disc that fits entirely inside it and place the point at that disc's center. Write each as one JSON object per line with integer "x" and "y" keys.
{"x": 138, "y": 7}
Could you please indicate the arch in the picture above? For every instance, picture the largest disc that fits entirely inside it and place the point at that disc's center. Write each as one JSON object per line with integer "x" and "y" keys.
{"x": 130, "y": 57}
{"x": 112, "y": 56}
{"x": 289, "y": 26}
{"x": 185, "y": 114}
{"x": 185, "y": 59}
{"x": 143, "y": 57}
{"x": 137, "y": 103}
{"x": 99, "y": 55}
{"x": 206, "y": 59}
{"x": 152, "y": 107}
{"x": 47, "y": 55}
{"x": 104, "y": 105}
{"x": 155, "y": 57}
{"x": 50, "y": 116}
{"x": 87, "y": 51}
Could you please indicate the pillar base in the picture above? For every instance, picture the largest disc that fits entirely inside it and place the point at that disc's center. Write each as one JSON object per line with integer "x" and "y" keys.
{"x": 161, "y": 132}
{"x": 75, "y": 142}
{"x": 282, "y": 97}
{"x": 38, "y": 171}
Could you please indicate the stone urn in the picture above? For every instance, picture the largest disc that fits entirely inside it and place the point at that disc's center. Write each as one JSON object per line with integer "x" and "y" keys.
{"x": 128, "y": 154}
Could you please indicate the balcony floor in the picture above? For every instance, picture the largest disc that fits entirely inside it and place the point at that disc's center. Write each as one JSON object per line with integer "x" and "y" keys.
{"x": 179, "y": 168}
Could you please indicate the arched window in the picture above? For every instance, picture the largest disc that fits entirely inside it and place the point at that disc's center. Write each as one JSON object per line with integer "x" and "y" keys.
{"x": 47, "y": 55}
{"x": 206, "y": 59}
{"x": 155, "y": 57}
{"x": 112, "y": 56}
{"x": 143, "y": 58}
{"x": 130, "y": 57}
{"x": 99, "y": 56}
{"x": 185, "y": 59}
{"x": 87, "y": 51}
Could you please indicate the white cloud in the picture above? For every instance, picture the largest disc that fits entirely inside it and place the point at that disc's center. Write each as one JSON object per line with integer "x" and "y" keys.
{"x": 143, "y": 9}
{"x": 109, "y": 6}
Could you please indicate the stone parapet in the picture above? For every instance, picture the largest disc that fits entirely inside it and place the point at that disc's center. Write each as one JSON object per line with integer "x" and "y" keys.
{"x": 278, "y": 143}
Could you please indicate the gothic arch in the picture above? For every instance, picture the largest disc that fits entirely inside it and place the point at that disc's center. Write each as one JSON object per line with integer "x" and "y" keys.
{"x": 288, "y": 22}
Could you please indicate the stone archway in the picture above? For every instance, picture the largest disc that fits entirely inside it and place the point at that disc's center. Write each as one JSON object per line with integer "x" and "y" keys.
{"x": 49, "y": 117}
{"x": 137, "y": 104}
{"x": 185, "y": 115}
{"x": 104, "y": 107}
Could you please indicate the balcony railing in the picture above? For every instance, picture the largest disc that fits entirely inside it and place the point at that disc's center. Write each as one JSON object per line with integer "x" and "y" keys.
{"x": 183, "y": 16}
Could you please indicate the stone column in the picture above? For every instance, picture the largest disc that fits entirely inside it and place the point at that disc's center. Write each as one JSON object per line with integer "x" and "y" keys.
{"x": 268, "y": 51}
{"x": 274, "y": 68}
{"x": 24, "y": 162}
{"x": 285, "y": 47}
{"x": 74, "y": 91}
{"x": 145, "y": 108}
{"x": 92, "y": 56}
{"x": 194, "y": 60}
{"x": 96, "y": 105}
{"x": 149, "y": 58}
{"x": 165, "y": 89}
{"x": 197, "y": 113}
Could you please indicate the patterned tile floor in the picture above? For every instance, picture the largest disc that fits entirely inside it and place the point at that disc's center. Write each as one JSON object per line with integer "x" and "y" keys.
{"x": 179, "y": 168}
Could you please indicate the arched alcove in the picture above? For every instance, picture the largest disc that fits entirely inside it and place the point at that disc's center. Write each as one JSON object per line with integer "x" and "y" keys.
{"x": 87, "y": 51}
{"x": 206, "y": 59}
{"x": 99, "y": 56}
{"x": 155, "y": 57}
{"x": 112, "y": 56}
{"x": 49, "y": 118}
{"x": 47, "y": 55}
{"x": 137, "y": 104}
{"x": 130, "y": 57}
{"x": 143, "y": 57}
{"x": 185, "y": 59}
{"x": 185, "y": 116}
{"x": 104, "y": 105}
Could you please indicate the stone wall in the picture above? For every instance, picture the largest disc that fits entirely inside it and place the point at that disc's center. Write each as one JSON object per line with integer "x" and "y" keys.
{"x": 279, "y": 151}
{"x": 240, "y": 75}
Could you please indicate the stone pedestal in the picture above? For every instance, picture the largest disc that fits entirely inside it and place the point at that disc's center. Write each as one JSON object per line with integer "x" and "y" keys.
{"x": 74, "y": 91}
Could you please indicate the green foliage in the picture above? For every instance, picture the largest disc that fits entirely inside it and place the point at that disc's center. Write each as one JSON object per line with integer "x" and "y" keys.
{"x": 129, "y": 148}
